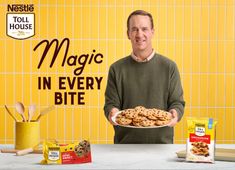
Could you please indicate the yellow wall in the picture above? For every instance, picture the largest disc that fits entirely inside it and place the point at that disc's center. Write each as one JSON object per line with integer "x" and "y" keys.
{"x": 199, "y": 35}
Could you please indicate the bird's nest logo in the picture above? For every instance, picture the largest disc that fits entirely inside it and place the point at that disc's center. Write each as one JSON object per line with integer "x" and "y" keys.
{"x": 20, "y": 21}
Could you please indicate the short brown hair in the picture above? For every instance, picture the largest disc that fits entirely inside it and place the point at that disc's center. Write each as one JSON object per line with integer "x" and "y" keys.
{"x": 140, "y": 12}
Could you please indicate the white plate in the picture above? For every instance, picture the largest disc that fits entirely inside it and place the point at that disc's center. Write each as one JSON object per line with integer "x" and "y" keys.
{"x": 150, "y": 127}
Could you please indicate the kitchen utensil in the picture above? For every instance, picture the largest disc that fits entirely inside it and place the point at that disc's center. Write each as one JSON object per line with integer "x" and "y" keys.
{"x": 8, "y": 111}
{"x": 36, "y": 151}
{"x": 29, "y": 150}
{"x": 8, "y": 151}
{"x": 20, "y": 109}
{"x": 24, "y": 151}
{"x": 31, "y": 111}
{"x": 43, "y": 112}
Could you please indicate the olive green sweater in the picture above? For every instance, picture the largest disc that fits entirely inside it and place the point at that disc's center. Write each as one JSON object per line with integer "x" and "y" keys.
{"x": 152, "y": 84}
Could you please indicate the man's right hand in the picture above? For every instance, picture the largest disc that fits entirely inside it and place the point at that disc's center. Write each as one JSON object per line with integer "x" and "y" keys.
{"x": 111, "y": 114}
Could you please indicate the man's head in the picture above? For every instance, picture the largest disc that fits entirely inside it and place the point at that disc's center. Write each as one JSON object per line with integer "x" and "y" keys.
{"x": 140, "y": 30}
{"x": 140, "y": 12}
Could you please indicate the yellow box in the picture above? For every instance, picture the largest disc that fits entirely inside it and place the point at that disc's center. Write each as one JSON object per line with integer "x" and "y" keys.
{"x": 27, "y": 135}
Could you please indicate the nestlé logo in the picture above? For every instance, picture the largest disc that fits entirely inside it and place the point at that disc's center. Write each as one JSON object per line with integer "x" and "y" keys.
{"x": 20, "y": 21}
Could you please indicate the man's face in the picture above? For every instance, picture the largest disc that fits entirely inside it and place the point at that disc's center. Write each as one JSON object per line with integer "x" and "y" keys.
{"x": 140, "y": 33}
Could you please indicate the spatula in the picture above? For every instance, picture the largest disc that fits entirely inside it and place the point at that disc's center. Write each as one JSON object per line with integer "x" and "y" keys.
{"x": 43, "y": 112}
{"x": 10, "y": 113}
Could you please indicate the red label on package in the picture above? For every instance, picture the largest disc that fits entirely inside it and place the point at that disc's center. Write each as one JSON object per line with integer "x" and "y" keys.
{"x": 71, "y": 158}
{"x": 195, "y": 138}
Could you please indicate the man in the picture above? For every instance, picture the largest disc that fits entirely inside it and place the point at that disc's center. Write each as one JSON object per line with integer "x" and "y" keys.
{"x": 143, "y": 78}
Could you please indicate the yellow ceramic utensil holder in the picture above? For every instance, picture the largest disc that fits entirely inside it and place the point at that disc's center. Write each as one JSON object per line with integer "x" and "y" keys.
{"x": 27, "y": 135}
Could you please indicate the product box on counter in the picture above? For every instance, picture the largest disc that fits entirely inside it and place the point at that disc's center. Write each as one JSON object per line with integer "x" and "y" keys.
{"x": 73, "y": 153}
{"x": 201, "y": 139}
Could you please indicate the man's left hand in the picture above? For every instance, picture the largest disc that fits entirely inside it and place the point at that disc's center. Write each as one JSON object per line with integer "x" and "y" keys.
{"x": 174, "y": 119}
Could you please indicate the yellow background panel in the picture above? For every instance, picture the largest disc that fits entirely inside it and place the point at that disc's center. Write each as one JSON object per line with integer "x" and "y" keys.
{"x": 198, "y": 35}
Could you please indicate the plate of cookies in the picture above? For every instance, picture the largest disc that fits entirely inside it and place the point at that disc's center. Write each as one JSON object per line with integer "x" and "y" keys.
{"x": 141, "y": 117}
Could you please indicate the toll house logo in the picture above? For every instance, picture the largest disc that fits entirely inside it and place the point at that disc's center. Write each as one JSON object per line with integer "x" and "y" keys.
{"x": 20, "y": 21}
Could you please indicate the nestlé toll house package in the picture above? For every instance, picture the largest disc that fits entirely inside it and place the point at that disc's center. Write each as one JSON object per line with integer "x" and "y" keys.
{"x": 201, "y": 140}
{"x": 73, "y": 153}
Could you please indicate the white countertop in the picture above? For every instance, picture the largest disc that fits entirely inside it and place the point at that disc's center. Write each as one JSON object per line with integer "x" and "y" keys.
{"x": 124, "y": 156}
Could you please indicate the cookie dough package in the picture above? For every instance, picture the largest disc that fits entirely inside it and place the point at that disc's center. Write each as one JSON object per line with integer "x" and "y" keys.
{"x": 73, "y": 153}
{"x": 201, "y": 140}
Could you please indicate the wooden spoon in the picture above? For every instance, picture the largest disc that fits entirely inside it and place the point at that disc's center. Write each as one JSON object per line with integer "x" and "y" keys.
{"x": 20, "y": 109}
{"x": 43, "y": 112}
{"x": 31, "y": 111}
{"x": 10, "y": 113}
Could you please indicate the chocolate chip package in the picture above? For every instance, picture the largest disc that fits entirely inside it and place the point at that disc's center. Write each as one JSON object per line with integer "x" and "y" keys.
{"x": 201, "y": 140}
{"x": 73, "y": 153}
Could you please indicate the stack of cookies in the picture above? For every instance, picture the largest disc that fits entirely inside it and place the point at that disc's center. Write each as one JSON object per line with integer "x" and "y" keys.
{"x": 83, "y": 148}
{"x": 200, "y": 148}
{"x": 142, "y": 117}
